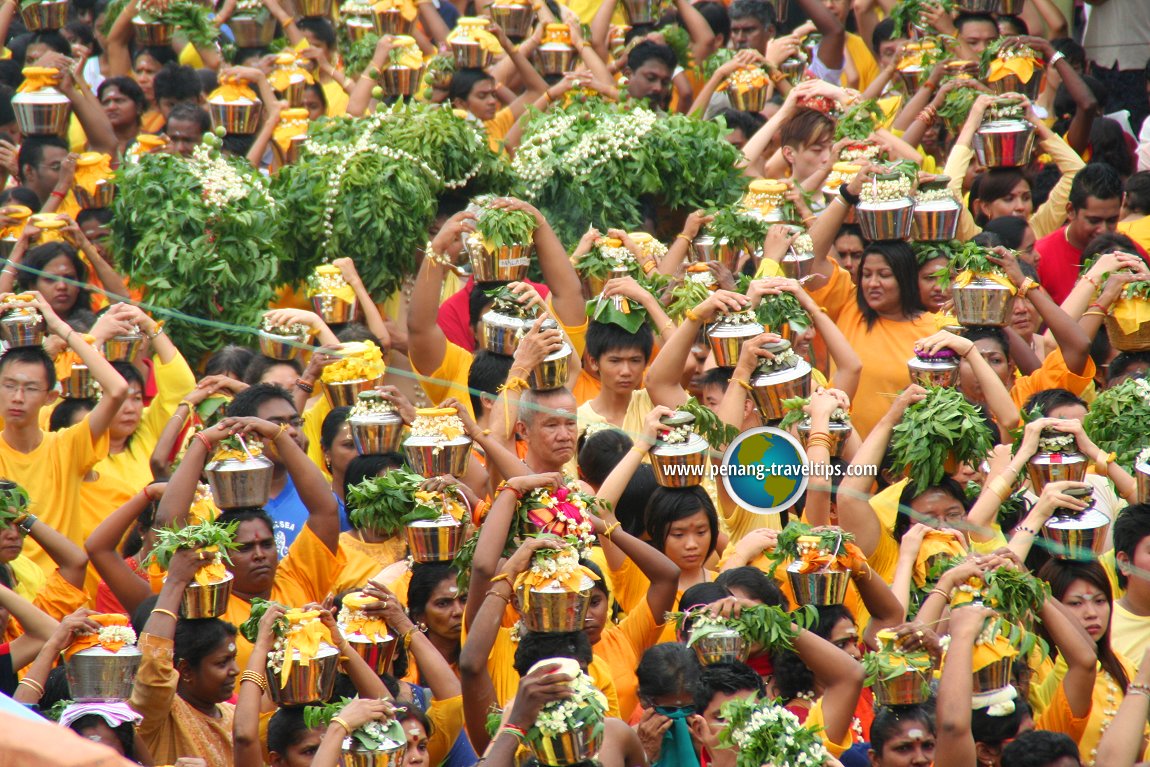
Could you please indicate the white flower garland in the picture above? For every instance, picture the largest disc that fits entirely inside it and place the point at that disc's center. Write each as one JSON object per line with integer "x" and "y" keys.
{"x": 117, "y": 634}
{"x": 222, "y": 183}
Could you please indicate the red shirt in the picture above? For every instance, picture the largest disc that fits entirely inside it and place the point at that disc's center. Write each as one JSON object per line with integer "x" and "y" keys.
{"x": 455, "y": 314}
{"x": 1058, "y": 264}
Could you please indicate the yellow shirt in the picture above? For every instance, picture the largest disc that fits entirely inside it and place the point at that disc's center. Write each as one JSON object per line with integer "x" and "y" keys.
{"x": 336, "y": 97}
{"x": 622, "y": 645}
{"x": 1139, "y": 231}
{"x": 816, "y": 721}
{"x": 450, "y": 378}
{"x": 52, "y": 474}
{"x": 497, "y": 128}
{"x": 171, "y": 727}
{"x": 305, "y": 575}
{"x": 313, "y": 416}
{"x": 863, "y": 60}
{"x": 446, "y": 717}
{"x": 365, "y": 560}
{"x": 637, "y": 410}
{"x": 1129, "y": 633}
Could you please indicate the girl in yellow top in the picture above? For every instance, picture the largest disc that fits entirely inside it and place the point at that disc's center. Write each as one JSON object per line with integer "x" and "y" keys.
{"x": 186, "y": 676}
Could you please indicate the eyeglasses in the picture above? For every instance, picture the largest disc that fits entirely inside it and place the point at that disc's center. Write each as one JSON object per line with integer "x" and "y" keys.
{"x": 11, "y": 387}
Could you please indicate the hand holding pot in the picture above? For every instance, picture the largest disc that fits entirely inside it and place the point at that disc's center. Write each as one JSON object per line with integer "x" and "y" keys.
{"x": 537, "y": 345}
{"x": 914, "y": 636}
{"x": 73, "y": 626}
{"x": 536, "y": 689}
{"x": 721, "y": 301}
{"x": 944, "y": 339}
{"x": 184, "y": 565}
{"x": 449, "y": 240}
{"x": 1054, "y": 497}
{"x": 114, "y": 322}
{"x": 652, "y": 426}
{"x": 388, "y": 607}
{"x": 266, "y": 632}
{"x": 360, "y": 711}
{"x": 777, "y": 242}
{"x": 752, "y": 352}
{"x": 520, "y": 561}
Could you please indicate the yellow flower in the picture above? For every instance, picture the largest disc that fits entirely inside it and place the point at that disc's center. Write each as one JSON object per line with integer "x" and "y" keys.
{"x": 359, "y": 362}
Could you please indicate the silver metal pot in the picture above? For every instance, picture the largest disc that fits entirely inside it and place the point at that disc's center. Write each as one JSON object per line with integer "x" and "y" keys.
{"x": 982, "y": 302}
{"x": 346, "y": 393}
{"x": 727, "y": 340}
{"x": 307, "y": 682}
{"x": 935, "y": 221}
{"x": 378, "y": 655}
{"x": 79, "y": 383}
{"x": 500, "y": 333}
{"x": 680, "y": 465}
{"x": 910, "y": 689}
{"x": 18, "y": 328}
{"x": 552, "y": 372}
{"x": 1142, "y": 481}
{"x": 939, "y": 371}
{"x": 281, "y": 347}
{"x": 1005, "y": 143}
{"x": 1055, "y": 467}
{"x": 770, "y": 386}
{"x": 555, "y": 610}
{"x": 429, "y": 457}
{"x": 206, "y": 600}
{"x": 98, "y": 675}
{"x": 838, "y": 433}
{"x": 240, "y": 484}
{"x": 889, "y": 220}
{"x": 822, "y": 588}
{"x": 722, "y": 647}
{"x": 516, "y": 19}
{"x": 377, "y": 433}
{"x": 436, "y": 540}
{"x": 45, "y": 112}
{"x": 1077, "y": 536}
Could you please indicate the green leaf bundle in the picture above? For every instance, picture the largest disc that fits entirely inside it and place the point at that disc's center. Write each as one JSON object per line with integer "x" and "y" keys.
{"x": 504, "y": 227}
{"x": 604, "y": 310}
{"x": 359, "y": 54}
{"x": 1016, "y": 595}
{"x": 505, "y": 301}
{"x": 708, "y": 425}
{"x": 1119, "y": 420}
{"x": 370, "y": 736}
{"x": 885, "y": 666}
{"x": 911, "y": 13}
{"x": 679, "y": 41}
{"x": 201, "y": 235}
{"x": 387, "y": 503}
{"x": 741, "y": 230}
{"x": 14, "y": 502}
{"x": 599, "y": 264}
{"x": 956, "y": 107}
{"x": 686, "y": 296}
{"x": 940, "y": 429}
{"x": 250, "y": 628}
{"x": 794, "y": 413}
{"x": 775, "y": 311}
{"x": 716, "y": 60}
{"x": 763, "y": 732}
{"x": 192, "y": 19}
{"x": 831, "y": 539}
{"x": 860, "y": 121}
{"x": 169, "y": 540}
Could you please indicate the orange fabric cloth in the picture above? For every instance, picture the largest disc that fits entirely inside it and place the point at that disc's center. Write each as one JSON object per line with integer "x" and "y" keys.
{"x": 1053, "y": 374}
{"x": 622, "y": 645}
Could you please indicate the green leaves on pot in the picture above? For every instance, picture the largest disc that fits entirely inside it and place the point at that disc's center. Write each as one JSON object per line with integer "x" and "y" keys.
{"x": 250, "y": 628}
{"x": 679, "y": 41}
{"x": 387, "y": 504}
{"x": 600, "y": 262}
{"x": 860, "y": 121}
{"x": 912, "y": 12}
{"x": 373, "y": 736}
{"x": 1119, "y": 420}
{"x": 686, "y": 295}
{"x": 200, "y": 235}
{"x": 604, "y": 310}
{"x": 831, "y": 539}
{"x": 740, "y": 229}
{"x": 193, "y": 20}
{"x": 505, "y": 227}
{"x": 14, "y": 502}
{"x": 1139, "y": 290}
{"x": 202, "y": 535}
{"x": 1016, "y": 595}
{"x": 506, "y": 302}
{"x": 775, "y": 311}
{"x": 716, "y": 60}
{"x": 359, "y": 54}
{"x": 956, "y": 106}
{"x": 708, "y": 425}
{"x": 936, "y": 433}
{"x": 885, "y": 666}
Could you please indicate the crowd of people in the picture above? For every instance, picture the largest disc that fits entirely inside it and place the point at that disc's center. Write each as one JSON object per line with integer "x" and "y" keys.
{"x": 455, "y": 523}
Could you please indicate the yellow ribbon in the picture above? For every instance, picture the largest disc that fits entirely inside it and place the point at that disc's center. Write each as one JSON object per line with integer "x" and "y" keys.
{"x": 571, "y": 581}
{"x": 935, "y": 543}
{"x": 21, "y": 214}
{"x": 372, "y": 628}
{"x": 557, "y": 33}
{"x": 92, "y": 168}
{"x": 964, "y": 278}
{"x": 1131, "y": 313}
{"x": 405, "y": 53}
{"x": 232, "y": 89}
{"x": 475, "y": 30}
{"x": 293, "y": 122}
{"x": 88, "y": 641}
{"x": 288, "y": 68}
{"x": 146, "y": 143}
{"x": 407, "y": 8}
{"x": 38, "y": 78}
{"x": 1019, "y": 66}
{"x": 305, "y": 634}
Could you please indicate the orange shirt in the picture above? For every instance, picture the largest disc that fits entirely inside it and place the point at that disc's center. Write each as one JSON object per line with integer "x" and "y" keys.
{"x": 883, "y": 348}
{"x": 1053, "y": 374}
{"x": 622, "y": 645}
{"x": 365, "y": 560}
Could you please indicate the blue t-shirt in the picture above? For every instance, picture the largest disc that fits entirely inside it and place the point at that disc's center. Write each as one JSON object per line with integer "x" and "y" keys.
{"x": 289, "y": 514}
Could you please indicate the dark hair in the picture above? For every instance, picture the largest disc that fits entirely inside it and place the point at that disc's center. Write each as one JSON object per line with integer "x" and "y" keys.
{"x": 963, "y": 19}
{"x": 130, "y": 373}
{"x": 983, "y": 332}
{"x": 535, "y": 646}
{"x": 807, "y": 126}
{"x": 488, "y": 372}
{"x": 1108, "y": 145}
{"x": 102, "y": 216}
{"x": 247, "y": 403}
{"x": 716, "y": 16}
{"x": 648, "y": 50}
{"x": 30, "y": 355}
{"x": 36, "y": 261}
{"x": 125, "y": 733}
{"x": 1039, "y": 748}
{"x": 1075, "y": 54}
{"x": 83, "y": 33}
{"x": 760, "y": 11}
{"x": 230, "y": 359}
{"x": 1138, "y": 192}
{"x": 178, "y": 83}
{"x": 356, "y": 331}
{"x": 65, "y": 412}
{"x": 192, "y": 113}
{"x": 197, "y": 639}
{"x": 995, "y": 730}
{"x": 727, "y": 678}
{"x": 887, "y": 722}
{"x": 321, "y": 27}
{"x": 462, "y": 83}
{"x": 32, "y": 150}
{"x": 902, "y": 262}
{"x": 716, "y": 376}
{"x": 260, "y": 365}
{"x": 239, "y": 516}
{"x": 758, "y": 585}
{"x": 1097, "y": 180}
{"x": 425, "y": 576}
{"x": 1017, "y": 23}
{"x": 478, "y": 300}
{"x": 130, "y": 89}
{"x": 850, "y": 230}
{"x": 671, "y": 504}
{"x": 747, "y": 122}
{"x": 163, "y": 55}
{"x": 1049, "y": 399}
{"x": 1121, "y": 364}
{"x": 669, "y": 668}
{"x": 1060, "y": 574}
{"x": 1130, "y": 526}
{"x": 884, "y": 31}
{"x": 364, "y": 466}
{"x": 604, "y": 337}
{"x": 904, "y": 520}
{"x": 53, "y": 40}
{"x": 332, "y": 423}
{"x": 632, "y": 504}
{"x": 286, "y": 728}
{"x": 1010, "y": 229}
{"x": 1107, "y": 242}
{"x": 995, "y": 184}
{"x": 701, "y": 594}
{"x": 20, "y": 195}
{"x": 601, "y": 452}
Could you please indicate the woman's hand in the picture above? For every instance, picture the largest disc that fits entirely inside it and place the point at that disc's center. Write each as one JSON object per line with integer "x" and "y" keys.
{"x": 944, "y": 339}
{"x": 755, "y": 543}
{"x": 296, "y": 316}
{"x": 73, "y": 626}
{"x": 360, "y": 711}
{"x": 265, "y": 430}
{"x": 1054, "y": 497}
{"x": 696, "y": 220}
{"x": 266, "y": 632}
{"x": 538, "y": 688}
{"x": 184, "y": 565}
{"x": 721, "y": 301}
{"x": 652, "y": 425}
{"x": 1008, "y": 261}
{"x": 824, "y": 402}
{"x": 651, "y": 729}
{"x": 527, "y": 296}
{"x": 911, "y": 542}
{"x": 389, "y": 608}
{"x": 752, "y": 352}
{"x": 532, "y": 482}
{"x": 449, "y": 239}
{"x": 914, "y": 636}
{"x": 520, "y": 561}
{"x": 778, "y": 241}
{"x": 909, "y": 396}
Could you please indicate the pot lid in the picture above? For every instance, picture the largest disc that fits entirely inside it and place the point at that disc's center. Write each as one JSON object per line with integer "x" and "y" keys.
{"x": 777, "y": 347}
{"x": 678, "y": 418}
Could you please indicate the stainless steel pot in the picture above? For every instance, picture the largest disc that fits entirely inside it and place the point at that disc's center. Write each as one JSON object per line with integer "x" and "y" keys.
{"x": 98, "y": 675}
{"x": 727, "y": 340}
{"x": 982, "y": 302}
{"x": 240, "y": 484}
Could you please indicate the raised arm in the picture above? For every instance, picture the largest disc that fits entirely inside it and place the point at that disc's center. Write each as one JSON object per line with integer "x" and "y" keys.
{"x": 38, "y": 627}
{"x": 434, "y": 670}
{"x": 841, "y": 677}
{"x": 1078, "y": 650}
{"x": 1122, "y": 743}
{"x": 246, "y": 746}
{"x": 70, "y": 559}
{"x": 426, "y": 343}
{"x": 103, "y": 544}
{"x": 36, "y": 675}
{"x": 955, "y": 746}
{"x": 830, "y": 50}
{"x": 998, "y": 399}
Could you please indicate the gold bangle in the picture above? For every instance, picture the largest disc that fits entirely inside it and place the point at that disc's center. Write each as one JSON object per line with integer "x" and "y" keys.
{"x": 1000, "y": 487}
{"x": 255, "y": 677}
{"x": 1102, "y": 463}
{"x": 945, "y": 595}
{"x": 684, "y": 238}
{"x": 341, "y": 723}
{"x": 497, "y": 595}
{"x": 32, "y": 683}
{"x": 288, "y": 22}
{"x": 280, "y": 433}
{"x": 610, "y": 529}
{"x": 168, "y": 613}
{"x": 1027, "y": 285}
{"x": 185, "y": 403}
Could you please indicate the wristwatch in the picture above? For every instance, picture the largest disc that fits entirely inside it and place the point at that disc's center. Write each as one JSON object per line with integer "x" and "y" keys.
{"x": 26, "y": 523}
{"x": 1058, "y": 56}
